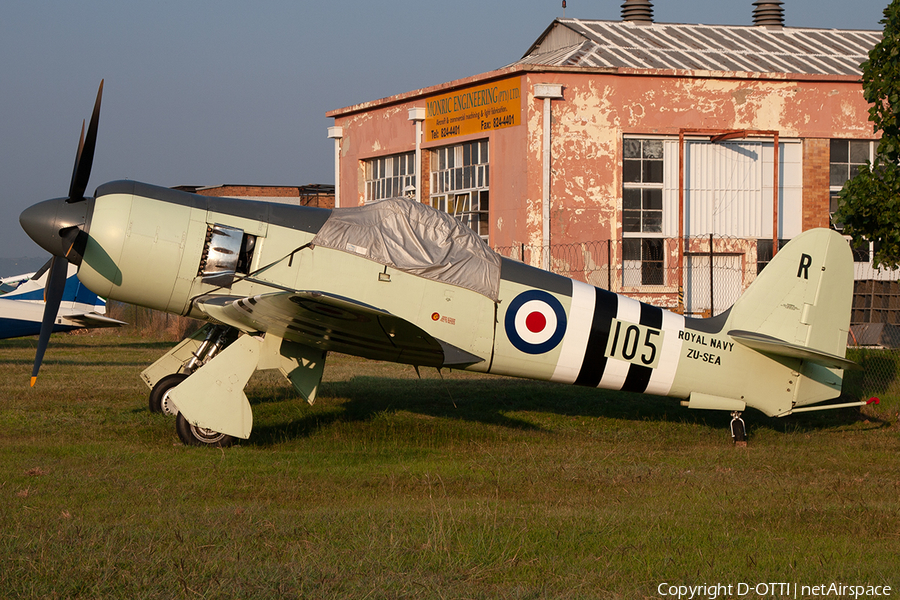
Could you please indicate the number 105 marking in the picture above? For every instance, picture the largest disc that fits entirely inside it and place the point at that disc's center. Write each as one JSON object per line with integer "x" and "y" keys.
{"x": 637, "y": 344}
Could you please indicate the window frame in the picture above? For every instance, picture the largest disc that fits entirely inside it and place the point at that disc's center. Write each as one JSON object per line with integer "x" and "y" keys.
{"x": 860, "y": 255}
{"x": 389, "y": 175}
{"x": 644, "y": 180}
{"x": 460, "y": 183}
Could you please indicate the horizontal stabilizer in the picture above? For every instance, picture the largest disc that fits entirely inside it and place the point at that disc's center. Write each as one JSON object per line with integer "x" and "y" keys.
{"x": 94, "y": 320}
{"x": 772, "y": 345}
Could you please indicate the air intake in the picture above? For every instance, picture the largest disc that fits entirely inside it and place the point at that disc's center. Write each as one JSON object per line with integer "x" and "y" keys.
{"x": 768, "y": 13}
{"x": 638, "y": 11}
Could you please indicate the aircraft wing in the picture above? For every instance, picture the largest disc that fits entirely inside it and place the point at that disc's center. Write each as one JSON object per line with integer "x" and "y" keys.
{"x": 336, "y": 323}
{"x": 773, "y": 345}
{"x": 91, "y": 320}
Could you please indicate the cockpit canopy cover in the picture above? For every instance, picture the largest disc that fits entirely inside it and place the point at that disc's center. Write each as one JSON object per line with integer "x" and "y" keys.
{"x": 412, "y": 237}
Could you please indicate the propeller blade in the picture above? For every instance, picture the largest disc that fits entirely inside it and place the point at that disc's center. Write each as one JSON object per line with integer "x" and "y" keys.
{"x": 53, "y": 292}
{"x": 76, "y": 239}
{"x": 42, "y": 270}
{"x": 84, "y": 159}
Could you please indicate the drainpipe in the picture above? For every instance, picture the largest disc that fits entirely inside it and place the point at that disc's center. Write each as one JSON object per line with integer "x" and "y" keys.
{"x": 546, "y": 92}
{"x": 337, "y": 133}
{"x": 417, "y": 115}
{"x": 775, "y": 196}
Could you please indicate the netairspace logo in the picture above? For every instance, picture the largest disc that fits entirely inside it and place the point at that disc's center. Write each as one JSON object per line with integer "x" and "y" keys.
{"x": 772, "y": 590}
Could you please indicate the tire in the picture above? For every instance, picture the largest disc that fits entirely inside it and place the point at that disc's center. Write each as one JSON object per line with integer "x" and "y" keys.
{"x": 738, "y": 433}
{"x": 159, "y": 395}
{"x": 191, "y": 435}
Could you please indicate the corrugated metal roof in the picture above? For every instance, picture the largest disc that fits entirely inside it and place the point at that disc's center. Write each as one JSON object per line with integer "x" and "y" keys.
{"x": 620, "y": 44}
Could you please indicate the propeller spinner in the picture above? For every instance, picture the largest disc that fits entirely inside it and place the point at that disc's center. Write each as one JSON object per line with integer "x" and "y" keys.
{"x": 59, "y": 226}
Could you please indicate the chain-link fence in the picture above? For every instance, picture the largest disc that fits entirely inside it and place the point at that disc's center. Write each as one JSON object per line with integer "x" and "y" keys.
{"x": 701, "y": 277}
{"x": 878, "y": 376}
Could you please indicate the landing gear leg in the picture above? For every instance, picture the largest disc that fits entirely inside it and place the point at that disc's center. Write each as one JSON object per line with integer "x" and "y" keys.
{"x": 738, "y": 429}
{"x": 177, "y": 364}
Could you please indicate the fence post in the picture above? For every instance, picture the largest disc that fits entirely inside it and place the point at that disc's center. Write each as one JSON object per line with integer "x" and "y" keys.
{"x": 682, "y": 245}
{"x": 711, "y": 304}
{"x": 609, "y": 265}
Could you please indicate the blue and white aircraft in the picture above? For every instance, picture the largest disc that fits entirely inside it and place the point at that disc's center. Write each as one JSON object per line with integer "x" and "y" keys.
{"x": 22, "y": 309}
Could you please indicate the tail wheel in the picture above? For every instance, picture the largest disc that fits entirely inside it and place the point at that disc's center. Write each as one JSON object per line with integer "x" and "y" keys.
{"x": 738, "y": 430}
{"x": 191, "y": 435}
{"x": 159, "y": 395}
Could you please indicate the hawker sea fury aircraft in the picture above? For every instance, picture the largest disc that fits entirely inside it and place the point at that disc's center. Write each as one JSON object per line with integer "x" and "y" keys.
{"x": 281, "y": 286}
{"x": 22, "y": 307}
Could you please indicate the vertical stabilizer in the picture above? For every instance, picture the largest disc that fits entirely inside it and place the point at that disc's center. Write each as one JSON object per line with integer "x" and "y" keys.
{"x": 803, "y": 296}
{"x": 798, "y": 313}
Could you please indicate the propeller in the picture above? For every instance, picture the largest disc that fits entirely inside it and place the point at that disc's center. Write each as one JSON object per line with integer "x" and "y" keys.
{"x": 59, "y": 226}
{"x": 53, "y": 292}
{"x": 85, "y": 156}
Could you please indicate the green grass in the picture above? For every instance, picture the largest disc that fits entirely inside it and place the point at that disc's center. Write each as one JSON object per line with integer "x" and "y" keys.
{"x": 391, "y": 486}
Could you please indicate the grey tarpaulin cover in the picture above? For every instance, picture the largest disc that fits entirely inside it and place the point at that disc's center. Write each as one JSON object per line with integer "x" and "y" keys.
{"x": 417, "y": 239}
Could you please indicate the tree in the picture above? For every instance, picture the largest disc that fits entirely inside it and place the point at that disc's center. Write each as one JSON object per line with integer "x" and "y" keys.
{"x": 869, "y": 205}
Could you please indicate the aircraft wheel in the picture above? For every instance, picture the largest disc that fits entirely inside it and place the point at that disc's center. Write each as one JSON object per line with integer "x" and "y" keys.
{"x": 191, "y": 435}
{"x": 159, "y": 395}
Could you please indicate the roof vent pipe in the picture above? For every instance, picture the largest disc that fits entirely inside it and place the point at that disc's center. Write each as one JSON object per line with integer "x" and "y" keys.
{"x": 637, "y": 11}
{"x": 768, "y": 13}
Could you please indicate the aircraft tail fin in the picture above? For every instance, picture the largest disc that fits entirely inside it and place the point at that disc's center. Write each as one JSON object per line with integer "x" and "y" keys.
{"x": 75, "y": 296}
{"x": 799, "y": 306}
{"x": 80, "y": 297}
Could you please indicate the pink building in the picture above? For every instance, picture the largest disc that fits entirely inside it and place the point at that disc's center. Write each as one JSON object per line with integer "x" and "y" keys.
{"x": 609, "y": 141}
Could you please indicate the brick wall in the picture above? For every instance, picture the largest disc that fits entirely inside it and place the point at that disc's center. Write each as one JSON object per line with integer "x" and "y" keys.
{"x": 305, "y": 195}
{"x": 425, "y": 176}
{"x": 816, "y": 156}
{"x": 244, "y": 191}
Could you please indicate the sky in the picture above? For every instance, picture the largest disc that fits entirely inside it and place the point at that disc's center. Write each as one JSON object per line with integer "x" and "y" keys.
{"x": 227, "y": 92}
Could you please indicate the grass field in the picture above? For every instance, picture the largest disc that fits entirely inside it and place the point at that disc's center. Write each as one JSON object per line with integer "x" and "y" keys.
{"x": 464, "y": 486}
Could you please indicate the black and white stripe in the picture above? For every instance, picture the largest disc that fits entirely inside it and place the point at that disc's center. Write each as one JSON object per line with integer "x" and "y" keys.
{"x": 583, "y": 359}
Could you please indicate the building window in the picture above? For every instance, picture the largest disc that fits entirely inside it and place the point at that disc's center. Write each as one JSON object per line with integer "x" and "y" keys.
{"x": 460, "y": 183}
{"x": 847, "y": 156}
{"x": 642, "y": 212}
{"x": 642, "y": 261}
{"x": 764, "y": 252}
{"x": 390, "y": 176}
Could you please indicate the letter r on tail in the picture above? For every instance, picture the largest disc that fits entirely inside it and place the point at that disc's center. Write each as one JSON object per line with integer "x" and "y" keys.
{"x": 805, "y": 262}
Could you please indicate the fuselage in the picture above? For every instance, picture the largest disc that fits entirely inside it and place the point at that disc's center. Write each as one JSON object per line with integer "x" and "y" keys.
{"x": 156, "y": 247}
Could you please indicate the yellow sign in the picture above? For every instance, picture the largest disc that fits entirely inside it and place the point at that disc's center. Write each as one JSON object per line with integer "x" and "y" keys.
{"x": 484, "y": 108}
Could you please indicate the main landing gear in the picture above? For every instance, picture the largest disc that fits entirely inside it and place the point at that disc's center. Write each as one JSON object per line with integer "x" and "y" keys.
{"x": 159, "y": 395}
{"x": 191, "y": 354}
{"x": 738, "y": 429}
{"x": 214, "y": 340}
{"x": 201, "y": 381}
{"x": 191, "y": 435}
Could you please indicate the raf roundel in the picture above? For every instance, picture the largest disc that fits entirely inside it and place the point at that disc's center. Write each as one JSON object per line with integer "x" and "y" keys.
{"x": 535, "y": 322}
